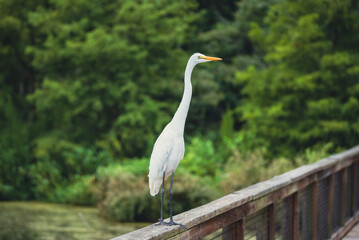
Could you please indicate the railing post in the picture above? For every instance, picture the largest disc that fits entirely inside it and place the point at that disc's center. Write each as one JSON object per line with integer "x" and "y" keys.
{"x": 330, "y": 204}
{"x": 315, "y": 209}
{"x": 295, "y": 216}
{"x": 234, "y": 231}
{"x": 229, "y": 232}
{"x": 354, "y": 187}
{"x": 343, "y": 192}
{"x": 271, "y": 222}
{"x": 240, "y": 229}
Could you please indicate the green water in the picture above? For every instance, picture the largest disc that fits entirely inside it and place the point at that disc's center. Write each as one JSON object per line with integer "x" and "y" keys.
{"x": 46, "y": 221}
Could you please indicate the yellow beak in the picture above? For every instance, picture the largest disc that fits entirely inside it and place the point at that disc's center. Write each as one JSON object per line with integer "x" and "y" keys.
{"x": 212, "y": 58}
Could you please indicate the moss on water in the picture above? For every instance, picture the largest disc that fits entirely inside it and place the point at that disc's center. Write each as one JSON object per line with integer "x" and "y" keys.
{"x": 46, "y": 221}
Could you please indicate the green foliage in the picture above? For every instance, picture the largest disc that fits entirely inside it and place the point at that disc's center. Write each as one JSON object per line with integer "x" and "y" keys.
{"x": 137, "y": 167}
{"x": 14, "y": 153}
{"x": 229, "y": 40}
{"x": 60, "y": 165}
{"x": 80, "y": 192}
{"x": 123, "y": 195}
{"x": 200, "y": 158}
{"x": 106, "y": 68}
{"x": 245, "y": 168}
{"x": 305, "y": 96}
{"x": 17, "y": 79}
{"x": 227, "y": 125}
{"x": 121, "y": 190}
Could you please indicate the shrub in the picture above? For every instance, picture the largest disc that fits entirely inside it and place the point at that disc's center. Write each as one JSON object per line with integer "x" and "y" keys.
{"x": 123, "y": 196}
{"x": 200, "y": 158}
{"x": 60, "y": 165}
{"x": 80, "y": 193}
{"x": 246, "y": 168}
{"x": 15, "y": 151}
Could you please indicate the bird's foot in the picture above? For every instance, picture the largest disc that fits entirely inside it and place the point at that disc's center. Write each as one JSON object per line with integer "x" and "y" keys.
{"x": 160, "y": 222}
{"x": 171, "y": 223}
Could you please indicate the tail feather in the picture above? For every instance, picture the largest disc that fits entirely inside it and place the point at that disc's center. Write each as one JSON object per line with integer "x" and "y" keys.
{"x": 154, "y": 184}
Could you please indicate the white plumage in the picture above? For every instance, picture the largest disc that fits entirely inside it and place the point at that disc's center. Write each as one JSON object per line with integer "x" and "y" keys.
{"x": 166, "y": 155}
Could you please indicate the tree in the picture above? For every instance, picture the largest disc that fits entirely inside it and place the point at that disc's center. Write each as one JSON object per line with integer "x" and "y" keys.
{"x": 17, "y": 79}
{"x": 308, "y": 93}
{"x": 107, "y": 67}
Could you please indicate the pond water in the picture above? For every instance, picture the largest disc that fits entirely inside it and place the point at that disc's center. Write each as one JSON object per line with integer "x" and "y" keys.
{"x": 46, "y": 221}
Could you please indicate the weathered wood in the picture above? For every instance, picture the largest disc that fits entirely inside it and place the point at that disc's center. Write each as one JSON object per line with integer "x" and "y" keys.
{"x": 324, "y": 173}
{"x": 249, "y": 200}
{"x": 354, "y": 187}
{"x": 341, "y": 232}
{"x": 344, "y": 195}
{"x": 287, "y": 215}
{"x": 330, "y": 204}
{"x": 234, "y": 231}
{"x": 212, "y": 225}
{"x": 246, "y": 209}
{"x": 230, "y": 232}
{"x": 315, "y": 209}
{"x": 271, "y": 222}
{"x": 240, "y": 229}
{"x": 295, "y": 216}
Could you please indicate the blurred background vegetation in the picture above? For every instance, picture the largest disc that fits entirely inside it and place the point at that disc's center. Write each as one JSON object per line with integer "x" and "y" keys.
{"x": 87, "y": 86}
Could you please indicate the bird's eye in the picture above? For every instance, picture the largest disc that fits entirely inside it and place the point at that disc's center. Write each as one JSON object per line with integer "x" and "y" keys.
{"x": 200, "y": 57}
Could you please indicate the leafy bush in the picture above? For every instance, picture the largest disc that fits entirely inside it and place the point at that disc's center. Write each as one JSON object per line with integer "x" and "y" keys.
{"x": 123, "y": 196}
{"x": 200, "y": 158}
{"x": 246, "y": 168}
{"x": 60, "y": 165}
{"x": 122, "y": 193}
{"x": 80, "y": 192}
{"x": 307, "y": 93}
{"x": 15, "y": 152}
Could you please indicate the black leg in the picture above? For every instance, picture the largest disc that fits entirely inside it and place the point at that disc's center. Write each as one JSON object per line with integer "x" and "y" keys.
{"x": 162, "y": 195}
{"x": 171, "y": 223}
{"x": 171, "y": 214}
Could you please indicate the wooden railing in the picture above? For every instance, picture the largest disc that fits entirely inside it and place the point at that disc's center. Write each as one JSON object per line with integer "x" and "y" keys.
{"x": 317, "y": 201}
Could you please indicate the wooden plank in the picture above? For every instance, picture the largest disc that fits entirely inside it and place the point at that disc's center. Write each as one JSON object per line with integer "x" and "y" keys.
{"x": 315, "y": 209}
{"x": 234, "y": 231}
{"x": 205, "y": 228}
{"x": 346, "y": 228}
{"x": 330, "y": 204}
{"x": 295, "y": 216}
{"x": 230, "y": 231}
{"x": 287, "y": 217}
{"x": 240, "y": 229}
{"x": 271, "y": 222}
{"x": 354, "y": 187}
{"x": 344, "y": 164}
{"x": 337, "y": 159}
{"x": 256, "y": 194}
{"x": 344, "y": 196}
{"x": 336, "y": 168}
{"x": 353, "y": 233}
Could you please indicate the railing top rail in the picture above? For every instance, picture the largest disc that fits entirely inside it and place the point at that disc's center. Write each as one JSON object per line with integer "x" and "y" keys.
{"x": 224, "y": 204}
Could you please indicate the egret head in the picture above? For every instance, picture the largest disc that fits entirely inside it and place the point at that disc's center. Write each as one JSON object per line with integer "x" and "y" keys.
{"x": 200, "y": 58}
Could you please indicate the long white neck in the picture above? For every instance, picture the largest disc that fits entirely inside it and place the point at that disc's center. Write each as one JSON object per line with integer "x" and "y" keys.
{"x": 179, "y": 119}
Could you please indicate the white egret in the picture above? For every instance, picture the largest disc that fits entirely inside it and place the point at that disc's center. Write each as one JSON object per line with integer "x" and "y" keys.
{"x": 169, "y": 147}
